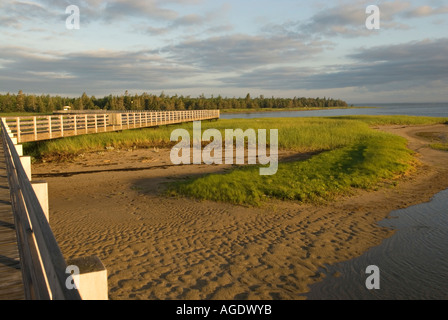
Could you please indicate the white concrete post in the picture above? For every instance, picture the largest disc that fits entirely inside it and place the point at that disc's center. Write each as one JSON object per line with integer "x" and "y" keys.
{"x": 41, "y": 190}
{"x": 92, "y": 278}
{"x": 19, "y": 149}
{"x": 26, "y": 163}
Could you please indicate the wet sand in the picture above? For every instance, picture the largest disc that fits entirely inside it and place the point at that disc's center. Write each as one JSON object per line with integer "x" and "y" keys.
{"x": 156, "y": 247}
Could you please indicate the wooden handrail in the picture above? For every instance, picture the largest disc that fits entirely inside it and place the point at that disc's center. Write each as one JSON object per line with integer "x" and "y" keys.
{"x": 43, "y": 265}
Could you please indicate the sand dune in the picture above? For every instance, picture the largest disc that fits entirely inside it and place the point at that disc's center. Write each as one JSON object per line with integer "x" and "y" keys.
{"x": 164, "y": 248}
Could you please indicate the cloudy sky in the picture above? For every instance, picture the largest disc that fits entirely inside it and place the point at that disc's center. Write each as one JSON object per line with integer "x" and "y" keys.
{"x": 281, "y": 48}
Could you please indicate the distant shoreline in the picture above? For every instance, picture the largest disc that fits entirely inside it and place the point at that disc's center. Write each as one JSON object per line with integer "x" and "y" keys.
{"x": 266, "y": 110}
{"x": 223, "y": 111}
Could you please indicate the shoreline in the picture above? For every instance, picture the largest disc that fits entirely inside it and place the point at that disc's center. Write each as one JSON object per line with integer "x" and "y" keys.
{"x": 249, "y": 111}
{"x": 174, "y": 248}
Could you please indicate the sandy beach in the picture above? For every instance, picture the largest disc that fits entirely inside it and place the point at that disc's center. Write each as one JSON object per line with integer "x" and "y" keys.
{"x": 154, "y": 247}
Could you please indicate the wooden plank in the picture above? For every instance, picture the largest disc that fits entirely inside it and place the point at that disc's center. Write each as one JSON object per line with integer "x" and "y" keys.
{"x": 11, "y": 282}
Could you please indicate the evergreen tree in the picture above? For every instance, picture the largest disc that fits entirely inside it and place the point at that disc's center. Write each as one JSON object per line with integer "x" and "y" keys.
{"x": 20, "y": 102}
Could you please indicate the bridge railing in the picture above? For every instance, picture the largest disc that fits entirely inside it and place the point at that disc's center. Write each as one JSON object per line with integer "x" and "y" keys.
{"x": 42, "y": 263}
{"x": 45, "y": 127}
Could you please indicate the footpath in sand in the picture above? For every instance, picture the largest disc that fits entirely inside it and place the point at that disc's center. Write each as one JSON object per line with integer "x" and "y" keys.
{"x": 156, "y": 247}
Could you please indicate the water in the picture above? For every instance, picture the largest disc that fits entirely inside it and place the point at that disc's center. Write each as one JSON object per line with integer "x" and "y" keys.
{"x": 410, "y": 109}
{"x": 413, "y": 263}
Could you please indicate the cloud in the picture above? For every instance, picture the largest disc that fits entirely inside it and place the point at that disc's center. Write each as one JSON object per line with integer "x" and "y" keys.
{"x": 187, "y": 21}
{"x": 202, "y": 49}
{"x": 425, "y": 11}
{"x": 207, "y": 23}
{"x": 347, "y": 19}
{"x": 105, "y": 11}
{"x": 417, "y": 64}
{"x": 99, "y": 71}
{"x": 15, "y": 13}
{"x": 384, "y": 68}
{"x": 238, "y": 52}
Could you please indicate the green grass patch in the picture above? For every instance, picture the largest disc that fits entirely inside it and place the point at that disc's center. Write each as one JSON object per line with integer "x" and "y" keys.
{"x": 396, "y": 120}
{"x": 70, "y": 147}
{"x": 439, "y": 146}
{"x": 296, "y": 134}
{"x": 364, "y": 164}
{"x": 261, "y": 110}
{"x": 352, "y": 155}
{"x": 22, "y": 114}
{"x": 357, "y": 157}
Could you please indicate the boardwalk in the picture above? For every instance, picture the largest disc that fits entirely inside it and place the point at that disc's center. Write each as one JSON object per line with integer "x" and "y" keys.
{"x": 35, "y": 128}
{"x": 11, "y": 286}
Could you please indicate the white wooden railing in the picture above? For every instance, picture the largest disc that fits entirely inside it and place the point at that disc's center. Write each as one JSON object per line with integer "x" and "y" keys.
{"x": 42, "y": 263}
{"x": 35, "y": 128}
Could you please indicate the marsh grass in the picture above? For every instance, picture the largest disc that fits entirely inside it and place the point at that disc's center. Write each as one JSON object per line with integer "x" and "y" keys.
{"x": 440, "y": 146}
{"x": 364, "y": 164}
{"x": 356, "y": 156}
{"x": 264, "y": 110}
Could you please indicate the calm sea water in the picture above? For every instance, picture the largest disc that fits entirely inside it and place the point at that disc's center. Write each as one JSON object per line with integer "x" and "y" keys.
{"x": 420, "y": 109}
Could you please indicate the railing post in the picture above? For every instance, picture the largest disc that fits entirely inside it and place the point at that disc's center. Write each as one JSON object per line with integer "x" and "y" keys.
{"x": 105, "y": 123}
{"x": 49, "y": 128}
{"x": 35, "y": 127}
{"x": 86, "y": 124}
{"x": 96, "y": 123}
{"x": 18, "y": 128}
{"x": 91, "y": 281}
{"x": 41, "y": 190}
{"x": 61, "y": 120}
{"x": 19, "y": 149}
{"x": 76, "y": 125}
{"x": 26, "y": 164}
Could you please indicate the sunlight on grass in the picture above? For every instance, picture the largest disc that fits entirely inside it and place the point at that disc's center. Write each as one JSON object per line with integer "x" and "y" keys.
{"x": 356, "y": 156}
{"x": 362, "y": 165}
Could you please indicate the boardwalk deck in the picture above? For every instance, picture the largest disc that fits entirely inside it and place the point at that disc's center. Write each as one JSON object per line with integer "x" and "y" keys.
{"x": 11, "y": 285}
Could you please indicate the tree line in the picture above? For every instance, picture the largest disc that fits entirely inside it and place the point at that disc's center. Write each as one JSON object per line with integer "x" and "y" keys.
{"x": 21, "y": 102}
